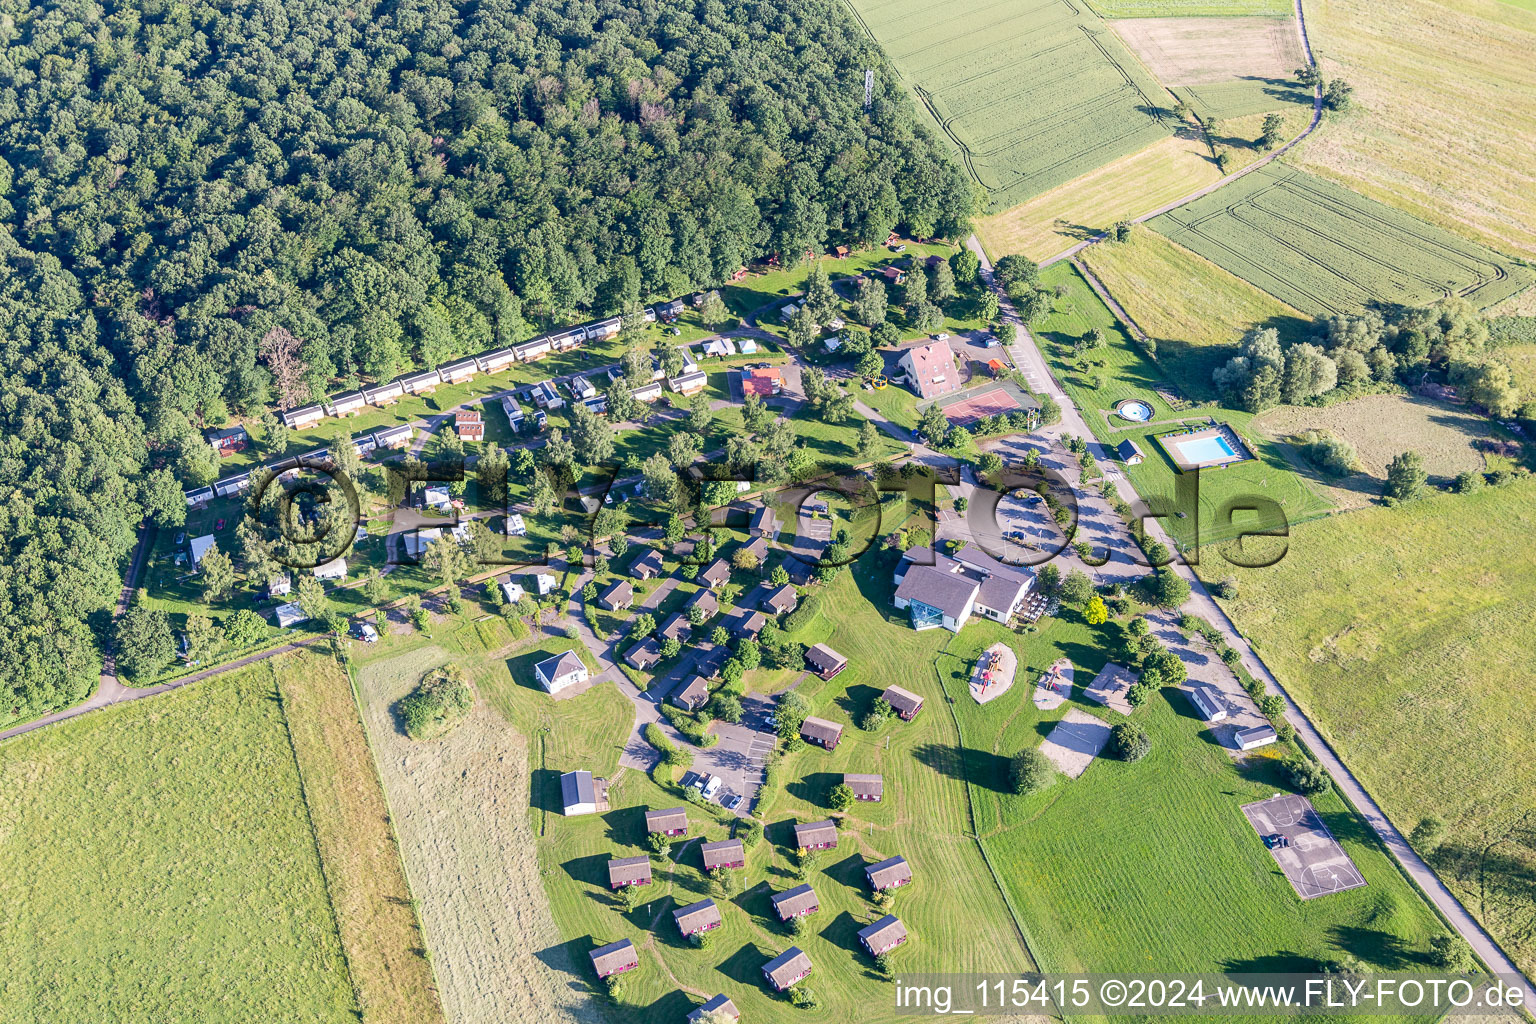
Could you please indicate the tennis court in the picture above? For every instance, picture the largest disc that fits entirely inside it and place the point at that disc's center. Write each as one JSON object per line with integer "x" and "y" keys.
{"x": 1313, "y": 861}
{"x": 967, "y": 408}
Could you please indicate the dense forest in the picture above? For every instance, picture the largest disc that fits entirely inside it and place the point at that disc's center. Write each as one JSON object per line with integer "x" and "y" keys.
{"x": 211, "y": 209}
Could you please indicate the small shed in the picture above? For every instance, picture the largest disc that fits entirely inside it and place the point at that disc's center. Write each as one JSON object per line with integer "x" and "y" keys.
{"x": 866, "y": 787}
{"x": 824, "y": 661}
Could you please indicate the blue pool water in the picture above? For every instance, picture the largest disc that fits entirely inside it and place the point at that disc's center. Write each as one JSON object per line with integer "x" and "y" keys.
{"x": 1138, "y": 411}
{"x": 1206, "y": 449}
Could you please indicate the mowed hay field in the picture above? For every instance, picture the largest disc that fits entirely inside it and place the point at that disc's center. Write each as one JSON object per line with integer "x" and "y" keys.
{"x": 1188, "y": 8}
{"x": 1195, "y": 311}
{"x": 1221, "y": 67}
{"x": 384, "y": 944}
{"x": 1128, "y": 187}
{"x": 162, "y": 868}
{"x": 1380, "y": 427}
{"x": 460, "y": 808}
{"x": 1444, "y": 118}
{"x": 1323, "y": 249}
{"x": 1416, "y": 666}
{"x": 1031, "y": 94}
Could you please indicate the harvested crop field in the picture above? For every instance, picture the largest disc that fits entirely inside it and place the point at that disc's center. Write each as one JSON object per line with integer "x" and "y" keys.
{"x": 1194, "y": 310}
{"x": 362, "y": 864}
{"x": 1379, "y": 427}
{"x": 1324, "y": 250}
{"x": 1444, "y": 116}
{"x": 1188, "y": 8}
{"x": 1415, "y": 665}
{"x": 1126, "y": 188}
{"x": 460, "y": 807}
{"x": 1031, "y": 95}
{"x": 1204, "y": 51}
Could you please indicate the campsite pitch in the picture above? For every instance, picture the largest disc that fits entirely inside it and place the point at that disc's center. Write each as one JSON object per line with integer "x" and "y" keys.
{"x": 1313, "y": 861}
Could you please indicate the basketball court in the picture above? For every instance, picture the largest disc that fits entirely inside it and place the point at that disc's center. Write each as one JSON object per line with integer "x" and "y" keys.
{"x": 1313, "y": 861}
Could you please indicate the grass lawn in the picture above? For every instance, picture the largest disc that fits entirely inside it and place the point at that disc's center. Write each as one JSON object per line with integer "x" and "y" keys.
{"x": 1127, "y": 187}
{"x": 171, "y": 872}
{"x": 1195, "y": 311}
{"x": 1417, "y": 670}
{"x": 1128, "y": 373}
{"x": 893, "y": 401}
{"x": 377, "y": 920}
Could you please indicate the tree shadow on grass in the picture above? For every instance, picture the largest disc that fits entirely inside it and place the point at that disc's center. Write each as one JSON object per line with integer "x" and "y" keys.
{"x": 813, "y": 789}
{"x": 1384, "y": 949}
{"x": 982, "y": 768}
{"x": 1281, "y": 962}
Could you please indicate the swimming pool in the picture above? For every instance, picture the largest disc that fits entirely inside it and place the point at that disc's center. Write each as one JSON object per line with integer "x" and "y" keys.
{"x": 1133, "y": 409}
{"x": 1200, "y": 450}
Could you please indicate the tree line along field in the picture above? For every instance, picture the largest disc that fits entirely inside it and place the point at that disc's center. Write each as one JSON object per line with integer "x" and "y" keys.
{"x": 167, "y": 868}
{"x": 1444, "y": 115}
{"x": 1030, "y": 97}
{"x": 1417, "y": 670}
{"x": 1323, "y": 249}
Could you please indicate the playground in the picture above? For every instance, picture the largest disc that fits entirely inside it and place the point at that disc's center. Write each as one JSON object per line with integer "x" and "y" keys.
{"x": 993, "y": 675}
{"x": 1312, "y": 860}
{"x": 1053, "y": 688}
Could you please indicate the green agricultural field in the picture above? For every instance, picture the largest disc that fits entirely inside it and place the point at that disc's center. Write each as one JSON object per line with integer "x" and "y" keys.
{"x": 1416, "y": 667}
{"x": 1128, "y": 373}
{"x": 1030, "y": 97}
{"x": 1195, "y": 311}
{"x": 1323, "y": 249}
{"x": 164, "y": 868}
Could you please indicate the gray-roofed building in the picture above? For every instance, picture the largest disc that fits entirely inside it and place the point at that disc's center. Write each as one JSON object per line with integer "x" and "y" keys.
{"x": 904, "y": 702}
{"x": 463, "y": 369}
{"x": 824, "y": 661}
{"x": 647, "y": 566}
{"x": 418, "y": 383}
{"x": 1129, "y": 453}
{"x": 716, "y": 1004}
{"x": 821, "y": 732}
{"x": 706, "y": 600}
{"x": 937, "y": 595}
{"x": 717, "y": 574}
{"x": 650, "y": 391}
{"x": 624, "y": 871}
{"x": 764, "y": 523}
{"x": 757, "y": 547}
{"x": 673, "y": 821}
{"x": 782, "y": 600}
{"x": 866, "y": 787}
{"x": 304, "y": 417}
{"x": 693, "y": 696}
{"x": 748, "y": 624}
{"x": 392, "y": 437}
{"x": 816, "y": 835}
{"x": 726, "y": 853}
{"x": 787, "y": 968}
{"x": 644, "y": 654}
{"x": 702, "y": 916}
{"x": 891, "y": 873}
{"x": 1210, "y": 704}
{"x": 618, "y": 597}
{"x": 796, "y": 902}
{"x": 884, "y": 935}
{"x": 615, "y": 958}
{"x": 385, "y": 394}
{"x": 561, "y": 671}
{"x": 713, "y": 661}
{"x": 580, "y": 793}
{"x": 676, "y": 628}
{"x": 490, "y": 362}
{"x": 1258, "y": 736}
{"x": 349, "y": 404}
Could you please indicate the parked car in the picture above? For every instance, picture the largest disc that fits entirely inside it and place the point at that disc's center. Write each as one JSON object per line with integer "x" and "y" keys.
{"x": 941, "y": 336}
{"x": 366, "y": 633}
{"x": 712, "y": 786}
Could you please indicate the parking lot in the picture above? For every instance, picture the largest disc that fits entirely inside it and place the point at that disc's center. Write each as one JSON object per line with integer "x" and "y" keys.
{"x": 739, "y": 756}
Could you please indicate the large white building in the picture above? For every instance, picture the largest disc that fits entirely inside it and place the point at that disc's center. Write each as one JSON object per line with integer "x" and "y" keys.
{"x": 562, "y": 671}
{"x": 951, "y": 590}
